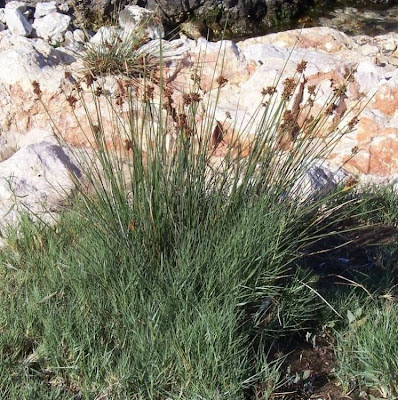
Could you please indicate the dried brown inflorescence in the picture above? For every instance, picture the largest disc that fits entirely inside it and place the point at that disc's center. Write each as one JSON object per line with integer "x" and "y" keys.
{"x": 72, "y": 100}
{"x": 270, "y": 90}
{"x": 289, "y": 86}
{"x": 36, "y": 89}
{"x": 301, "y": 66}
{"x": 190, "y": 98}
{"x": 221, "y": 80}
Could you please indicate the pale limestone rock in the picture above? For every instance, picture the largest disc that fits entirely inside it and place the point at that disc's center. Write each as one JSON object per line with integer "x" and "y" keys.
{"x": 246, "y": 68}
{"x": 2, "y": 16}
{"x": 135, "y": 18}
{"x": 105, "y": 34}
{"x": 43, "y": 9}
{"x": 16, "y": 21}
{"x": 36, "y": 179}
{"x": 319, "y": 179}
{"x": 52, "y": 27}
{"x": 16, "y": 5}
{"x": 369, "y": 50}
{"x": 79, "y": 36}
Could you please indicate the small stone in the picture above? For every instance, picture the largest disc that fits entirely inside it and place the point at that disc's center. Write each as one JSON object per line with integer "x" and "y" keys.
{"x": 2, "y": 27}
{"x": 193, "y": 29}
{"x": 63, "y": 7}
{"x": 369, "y": 50}
{"x": 79, "y": 36}
{"x": 135, "y": 18}
{"x": 389, "y": 47}
{"x": 2, "y": 16}
{"x": 43, "y": 9}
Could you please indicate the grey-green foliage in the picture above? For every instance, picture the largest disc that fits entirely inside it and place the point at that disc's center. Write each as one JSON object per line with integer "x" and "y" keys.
{"x": 172, "y": 280}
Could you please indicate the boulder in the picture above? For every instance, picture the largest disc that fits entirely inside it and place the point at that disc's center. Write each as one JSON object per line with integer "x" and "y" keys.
{"x": 52, "y": 27}
{"x": 36, "y": 179}
{"x": 43, "y": 9}
{"x": 16, "y": 21}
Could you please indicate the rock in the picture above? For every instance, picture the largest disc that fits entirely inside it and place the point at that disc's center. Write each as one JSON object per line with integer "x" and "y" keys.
{"x": 16, "y": 5}
{"x": 319, "y": 179}
{"x": 135, "y": 18}
{"x": 369, "y": 50}
{"x": 16, "y": 21}
{"x": 105, "y": 34}
{"x": 2, "y": 15}
{"x": 193, "y": 29}
{"x": 52, "y": 27}
{"x": 2, "y": 27}
{"x": 24, "y": 60}
{"x": 79, "y": 36}
{"x": 229, "y": 77}
{"x": 43, "y": 9}
{"x": 36, "y": 179}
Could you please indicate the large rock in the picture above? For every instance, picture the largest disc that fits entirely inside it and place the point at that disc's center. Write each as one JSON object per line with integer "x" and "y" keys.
{"x": 16, "y": 21}
{"x": 43, "y": 9}
{"x": 36, "y": 179}
{"x": 231, "y": 77}
{"x": 52, "y": 27}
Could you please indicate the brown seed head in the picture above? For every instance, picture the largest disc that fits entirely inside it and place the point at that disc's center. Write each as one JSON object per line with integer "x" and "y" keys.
{"x": 270, "y": 90}
{"x": 353, "y": 123}
{"x": 301, "y": 66}
{"x": 190, "y": 98}
{"x": 195, "y": 78}
{"x": 289, "y": 85}
{"x": 128, "y": 144}
{"x": 89, "y": 79}
{"x": 330, "y": 108}
{"x": 221, "y": 80}
{"x": 148, "y": 94}
{"x": 311, "y": 90}
{"x": 98, "y": 91}
{"x": 36, "y": 89}
{"x": 354, "y": 150}
{"x": 72, "y": 100}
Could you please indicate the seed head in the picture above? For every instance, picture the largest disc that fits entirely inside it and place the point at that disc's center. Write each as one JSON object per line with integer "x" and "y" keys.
{"x": 72, "y": 100}
{"x": 311, "y": 90}
{"x": 128, "y": 144}
{"x": 289, "y": 85}
{"x": 221, "y": 80}
{"x": 98, "y": 91}
{"x": 301, "y": 66}
{"x": 270, "y": 90}
{"x": 190, "y": 98}
{"x": 36, "y": 89}
{"x": 148, "y": 95}
{"x": 89, "y": 79}
{"x": 353, "y": 123}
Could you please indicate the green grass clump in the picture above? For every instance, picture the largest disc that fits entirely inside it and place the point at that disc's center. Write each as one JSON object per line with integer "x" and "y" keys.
{"x": 119, "y": 52}
{"x": 174, "y": 277}
{"x": 367, "y": 349}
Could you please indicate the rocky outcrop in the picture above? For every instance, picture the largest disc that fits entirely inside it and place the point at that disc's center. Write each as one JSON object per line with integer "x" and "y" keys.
{"x": 42, "y": 87}
{"x": 246, "y": 69}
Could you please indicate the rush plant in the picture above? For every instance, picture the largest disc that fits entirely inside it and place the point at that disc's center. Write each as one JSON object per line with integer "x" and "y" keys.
{"x": 179, "y": 269}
